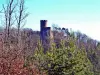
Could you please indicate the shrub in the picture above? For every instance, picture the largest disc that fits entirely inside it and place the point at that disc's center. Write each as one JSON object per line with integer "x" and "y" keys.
{"x": 63, "y": 60}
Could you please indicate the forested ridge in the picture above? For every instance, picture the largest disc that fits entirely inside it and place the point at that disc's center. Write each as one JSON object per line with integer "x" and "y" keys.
{"x": 22, "y": 52}
{"x": 73, "y": 54}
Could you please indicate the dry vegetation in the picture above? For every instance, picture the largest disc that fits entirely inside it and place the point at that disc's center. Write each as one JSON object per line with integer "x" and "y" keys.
{"x": 15, "y": 44}
{"x": 18, "y": 44}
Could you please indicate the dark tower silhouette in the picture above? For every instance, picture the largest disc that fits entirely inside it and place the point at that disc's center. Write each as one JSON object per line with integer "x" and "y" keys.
{"x": 43, "y": 24}
{"x": 45, "y": 33}
{"x": 44, "y": 30}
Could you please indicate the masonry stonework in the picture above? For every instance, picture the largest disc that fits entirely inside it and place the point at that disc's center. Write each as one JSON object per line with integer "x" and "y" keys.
{"x": 45, "y": 33}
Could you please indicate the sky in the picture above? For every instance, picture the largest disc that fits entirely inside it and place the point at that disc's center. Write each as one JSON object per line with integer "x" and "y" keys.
{"x": 82, "y": 15}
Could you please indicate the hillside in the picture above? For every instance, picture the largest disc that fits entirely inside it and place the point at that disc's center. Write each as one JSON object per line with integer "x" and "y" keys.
{"x": 50, "y": 51}
{"x": 23, "y": 48}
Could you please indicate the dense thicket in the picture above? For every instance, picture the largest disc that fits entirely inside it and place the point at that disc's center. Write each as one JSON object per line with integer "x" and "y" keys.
{"x": 73, "y": 54}
{"x": 21, "y": 51}
{"x": 65, "y": 60}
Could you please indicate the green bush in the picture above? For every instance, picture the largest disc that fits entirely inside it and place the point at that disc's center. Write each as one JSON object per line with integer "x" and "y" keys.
{"x": 63, "y": 61}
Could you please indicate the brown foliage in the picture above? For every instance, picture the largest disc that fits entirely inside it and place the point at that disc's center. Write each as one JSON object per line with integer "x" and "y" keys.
{"x": 13, "y": 56}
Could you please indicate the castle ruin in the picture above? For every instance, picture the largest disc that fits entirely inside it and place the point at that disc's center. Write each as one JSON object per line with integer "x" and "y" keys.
{"x": 45, "y": 33}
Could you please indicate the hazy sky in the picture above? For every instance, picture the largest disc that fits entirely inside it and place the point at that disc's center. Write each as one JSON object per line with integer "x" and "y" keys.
{"x": 83, "y": 15}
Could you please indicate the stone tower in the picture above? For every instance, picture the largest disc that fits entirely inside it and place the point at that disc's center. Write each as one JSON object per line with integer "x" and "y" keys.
{"x": 45, "y": 33}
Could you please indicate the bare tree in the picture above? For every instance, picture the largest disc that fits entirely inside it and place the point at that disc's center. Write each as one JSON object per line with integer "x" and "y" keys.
{"x": 8, "y": 12}
{"x": 13, "y": 15}
{"x": 21, "y": 15}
